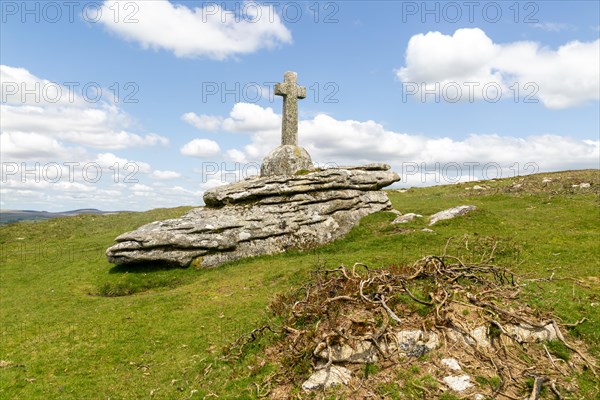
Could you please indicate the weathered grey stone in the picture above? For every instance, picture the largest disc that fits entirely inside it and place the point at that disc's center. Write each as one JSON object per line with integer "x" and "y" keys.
{"x": 452, "y": 363}
{"x": 413, "y": 343}
{"x": 479, "y": 334}
{"x": 527, "y": 333}
{"x": 324, "y": 378}
{"x": 458, "y": 383}
{"x": 450, "y": 213}
{"x": 522, "y": 333}
{"x": 267, "y": 226}
{"x": 330, "y": 179}
{"x": 362, "y": 352}
{"x": 290, "y": 92}
{"x": 366, "y": 167}
{"x": 286, "y": 160}
{"x": 406, "y": 344}
{"x": 403, "y": 219}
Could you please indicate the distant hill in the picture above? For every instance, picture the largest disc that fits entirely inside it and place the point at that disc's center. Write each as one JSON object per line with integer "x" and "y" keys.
{"x": 10, "y": 216}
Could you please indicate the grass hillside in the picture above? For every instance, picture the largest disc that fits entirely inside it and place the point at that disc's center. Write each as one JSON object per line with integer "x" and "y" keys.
{"x": 74, "y": 326}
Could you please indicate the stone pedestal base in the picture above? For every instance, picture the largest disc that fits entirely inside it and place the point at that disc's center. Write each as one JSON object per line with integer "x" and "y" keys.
{"x": 286, "y": 160}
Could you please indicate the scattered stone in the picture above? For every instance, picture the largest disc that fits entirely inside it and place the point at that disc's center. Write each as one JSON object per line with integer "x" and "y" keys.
{"x": 412, "y": 343}
{"x": 403, "y": 219}
{"x": 575, "y": 186}
{"x": 477, "y": 187}
{"x": 406, "y": 344}
{"x": 450, "y": 213}
{"x": 546, "y": 180}
{"x": 324, "y": 378}
{"x": 478, "y": 396}
{"x": 584, "y": 185}
{"x": 517, "y": 186}
{"x": 427, "y": 230}
{"x": 458, "y": 383}
{"x": 362, "y": 352}
{"x": 523, "y": 333}
{"x": 401, "y": 190}
{"x": 529, "y": 334}
{"x": 451, "y": 363}
{"x": 476, "y": 336}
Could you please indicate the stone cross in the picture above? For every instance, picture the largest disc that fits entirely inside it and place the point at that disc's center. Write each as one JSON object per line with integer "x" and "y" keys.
{"x": 291, "y": 92}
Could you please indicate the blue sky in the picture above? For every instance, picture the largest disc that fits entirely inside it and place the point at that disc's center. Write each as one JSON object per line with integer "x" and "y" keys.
{"x": 187, "y": 98}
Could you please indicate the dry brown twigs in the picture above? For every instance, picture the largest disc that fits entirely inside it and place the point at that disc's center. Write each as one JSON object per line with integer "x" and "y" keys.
{"x": 440, "y": 294}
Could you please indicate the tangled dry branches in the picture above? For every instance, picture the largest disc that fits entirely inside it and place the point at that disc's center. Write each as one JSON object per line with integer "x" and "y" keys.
{"x": 441, "y": 294}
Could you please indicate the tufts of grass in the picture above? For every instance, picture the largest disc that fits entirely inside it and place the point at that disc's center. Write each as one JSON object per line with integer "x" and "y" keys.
{"x": 558, "y": 349}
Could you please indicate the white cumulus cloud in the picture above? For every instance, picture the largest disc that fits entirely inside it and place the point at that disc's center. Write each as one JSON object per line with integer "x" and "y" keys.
{"x": 201, "y": 148}
{"x": 561, "y": 78}
{"x": 164, "y": 175}
{"x": 349, "y": 142}
{"x": 210, "y": 31}
{"x": 59, "y": 124}
{"x": 244, "y": 117}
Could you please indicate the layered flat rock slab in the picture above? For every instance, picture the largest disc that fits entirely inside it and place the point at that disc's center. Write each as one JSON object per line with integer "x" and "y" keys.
{"x": 268, "y": 224}
{"x": 369, "y": 177}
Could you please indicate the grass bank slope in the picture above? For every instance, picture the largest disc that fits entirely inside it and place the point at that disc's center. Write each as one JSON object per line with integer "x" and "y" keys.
{"x": 74, "y": 326}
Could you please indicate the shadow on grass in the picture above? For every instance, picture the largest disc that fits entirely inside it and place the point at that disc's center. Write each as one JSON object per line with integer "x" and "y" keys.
{"x": 145, "y": 267}
{"x": 125, "y": 280}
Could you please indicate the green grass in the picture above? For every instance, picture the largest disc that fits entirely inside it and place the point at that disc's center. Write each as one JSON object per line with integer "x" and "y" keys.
{"x": 74, "y": 326}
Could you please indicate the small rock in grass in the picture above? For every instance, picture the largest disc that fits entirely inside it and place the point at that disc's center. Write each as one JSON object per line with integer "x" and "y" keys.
{"x": 458, "y": 383}
{"x": 451, "y": 363}
{"x": 450, "y": 213}
{"x": 403, "y": 219}
{"x": 324, "y": 378}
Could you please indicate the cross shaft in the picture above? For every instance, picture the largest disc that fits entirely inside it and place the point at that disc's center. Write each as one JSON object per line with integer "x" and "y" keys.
{"x": 290, "y": 92}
